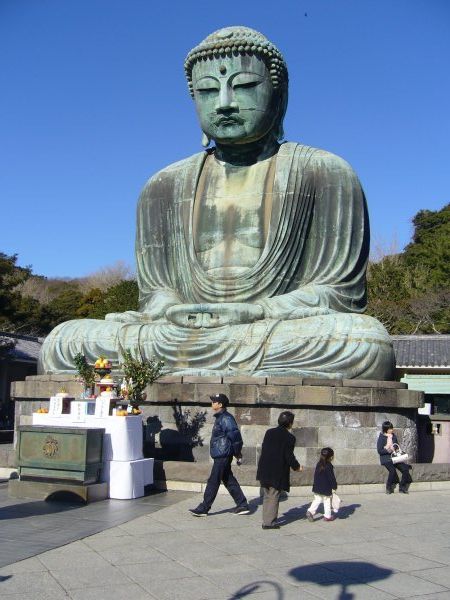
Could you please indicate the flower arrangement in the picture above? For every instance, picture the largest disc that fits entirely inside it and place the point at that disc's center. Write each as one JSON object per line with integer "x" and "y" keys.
{"x": 138, "y": 374}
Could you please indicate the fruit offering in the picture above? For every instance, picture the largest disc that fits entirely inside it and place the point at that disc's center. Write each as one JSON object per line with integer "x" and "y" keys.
{"x": 102, "y": 363}
{"x": 42, "y": 411}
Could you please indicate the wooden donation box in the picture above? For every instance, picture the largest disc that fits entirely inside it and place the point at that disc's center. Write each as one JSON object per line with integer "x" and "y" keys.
{"x": 72, "y": 454}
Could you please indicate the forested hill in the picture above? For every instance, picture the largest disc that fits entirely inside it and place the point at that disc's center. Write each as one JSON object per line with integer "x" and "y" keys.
{"x": 410, "y": 292}
{"x": 34, "y": 304}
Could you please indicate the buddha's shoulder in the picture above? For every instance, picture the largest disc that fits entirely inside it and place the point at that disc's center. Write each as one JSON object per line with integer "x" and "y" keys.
{"x": 316, "y": 158}
{"x": 173, "y": 171}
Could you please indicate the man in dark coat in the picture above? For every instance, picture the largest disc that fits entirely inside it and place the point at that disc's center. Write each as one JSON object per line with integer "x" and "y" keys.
{"x": 226, "y": 443}
{"x": 277, "y": 457}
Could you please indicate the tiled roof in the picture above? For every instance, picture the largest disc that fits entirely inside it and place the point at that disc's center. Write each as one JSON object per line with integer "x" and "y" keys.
{"x": 421, "y": 350}
{"x": 26, "y": 347}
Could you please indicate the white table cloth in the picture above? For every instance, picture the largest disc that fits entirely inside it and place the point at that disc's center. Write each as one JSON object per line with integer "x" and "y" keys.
{"x": 128, "y": 478}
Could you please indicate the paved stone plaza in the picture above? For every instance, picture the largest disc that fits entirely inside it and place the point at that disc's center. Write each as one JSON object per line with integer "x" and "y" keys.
{"x": 380, "y": 547}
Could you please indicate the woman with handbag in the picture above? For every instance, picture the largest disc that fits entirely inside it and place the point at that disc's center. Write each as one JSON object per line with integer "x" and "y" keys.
{"x": 387, "y": 446}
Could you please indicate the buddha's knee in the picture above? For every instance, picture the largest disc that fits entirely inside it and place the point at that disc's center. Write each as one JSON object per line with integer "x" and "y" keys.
{"x": 348, "y": 325}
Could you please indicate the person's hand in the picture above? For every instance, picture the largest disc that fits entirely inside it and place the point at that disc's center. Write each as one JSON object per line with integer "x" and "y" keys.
{"x": 196, "y": 316}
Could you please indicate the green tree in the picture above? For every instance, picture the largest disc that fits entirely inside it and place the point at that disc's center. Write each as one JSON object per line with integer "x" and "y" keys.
{"x": 122, "y": 296}
{"x": 64, "y": 307}
{"x": 430, "y": 247}
{"x": 92, "y": 305}
{"x": 410, "y": 292}
{"x": 10, "y": 277}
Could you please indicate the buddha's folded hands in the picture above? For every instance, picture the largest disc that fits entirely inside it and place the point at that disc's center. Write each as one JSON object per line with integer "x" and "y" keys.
{"x": 210, "y": 315}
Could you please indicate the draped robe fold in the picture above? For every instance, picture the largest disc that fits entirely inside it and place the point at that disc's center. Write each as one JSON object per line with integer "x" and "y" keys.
{"x": 309, "y": 279}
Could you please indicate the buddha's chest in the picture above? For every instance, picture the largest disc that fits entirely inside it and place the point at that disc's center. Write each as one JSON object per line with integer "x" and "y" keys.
{"x": 231, "y": 215}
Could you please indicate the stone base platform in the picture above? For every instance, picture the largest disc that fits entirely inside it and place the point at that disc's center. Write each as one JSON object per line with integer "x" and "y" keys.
{"x": 40, "y": 490}
{"x": 344, "y": 414}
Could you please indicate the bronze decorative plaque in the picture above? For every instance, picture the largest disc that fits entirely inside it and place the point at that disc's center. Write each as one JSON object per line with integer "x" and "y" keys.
{"x": 50, "y": 447}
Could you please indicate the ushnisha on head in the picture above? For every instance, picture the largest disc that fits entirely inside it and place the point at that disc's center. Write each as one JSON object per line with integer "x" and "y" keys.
{"x": 239, "y": 82}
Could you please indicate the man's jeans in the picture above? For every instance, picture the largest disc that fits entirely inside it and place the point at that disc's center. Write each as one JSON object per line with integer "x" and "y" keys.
{"x": 221, "y": 473}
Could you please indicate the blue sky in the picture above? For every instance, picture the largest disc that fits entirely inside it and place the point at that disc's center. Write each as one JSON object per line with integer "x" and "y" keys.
{"x": 93, "y": 102}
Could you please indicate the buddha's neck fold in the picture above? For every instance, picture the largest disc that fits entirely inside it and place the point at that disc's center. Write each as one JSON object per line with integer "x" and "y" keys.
{"x": 247, "y": 154}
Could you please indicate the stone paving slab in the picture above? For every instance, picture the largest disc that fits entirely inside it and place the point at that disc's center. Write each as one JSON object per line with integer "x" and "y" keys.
{"x": 380, "y": 547}
{"x": 30, "y": 527}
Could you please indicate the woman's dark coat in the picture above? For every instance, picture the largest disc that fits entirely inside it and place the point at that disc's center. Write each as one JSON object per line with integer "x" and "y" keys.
{"x": 324, "y": 480}
{"x": 385, "y": 455}
{"x": 277, "y": 457}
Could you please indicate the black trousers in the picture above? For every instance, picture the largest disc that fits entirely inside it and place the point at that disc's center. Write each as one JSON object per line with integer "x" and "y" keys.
{"x": 221, "y": 473}
{"x": 392, "y": 479}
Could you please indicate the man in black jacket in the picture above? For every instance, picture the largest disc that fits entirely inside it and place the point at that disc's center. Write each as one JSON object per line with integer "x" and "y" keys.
{"x": 226, "y": 442}
{"x": 277, "y": 457}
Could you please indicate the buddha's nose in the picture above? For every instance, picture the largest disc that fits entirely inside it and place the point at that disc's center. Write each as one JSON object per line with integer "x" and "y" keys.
{"x": 225, "y": 102}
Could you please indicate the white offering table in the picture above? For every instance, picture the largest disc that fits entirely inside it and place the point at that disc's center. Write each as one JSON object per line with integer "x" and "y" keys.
{"x": 125, "y": 468}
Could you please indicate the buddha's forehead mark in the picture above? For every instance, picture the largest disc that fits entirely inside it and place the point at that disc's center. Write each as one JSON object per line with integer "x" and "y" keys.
{"x": 223, "y": 69}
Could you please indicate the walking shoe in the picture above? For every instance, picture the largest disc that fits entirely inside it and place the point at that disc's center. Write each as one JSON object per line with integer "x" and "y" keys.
{"x": 310, "y": 516}
{"x": 403, "y": 491}
{"x": 242, "y": 510}
{"x": 389, "y": 491}
{"x": 328, "y": 519}
{"x": 274, "y": 526}
{"x": 198, "y": 512}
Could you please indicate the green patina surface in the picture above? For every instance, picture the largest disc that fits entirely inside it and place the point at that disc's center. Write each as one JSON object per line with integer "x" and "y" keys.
{"x": 64, "y": 453}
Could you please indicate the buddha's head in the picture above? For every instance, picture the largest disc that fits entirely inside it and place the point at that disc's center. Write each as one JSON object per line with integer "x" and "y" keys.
{"x": 239, "y": 82}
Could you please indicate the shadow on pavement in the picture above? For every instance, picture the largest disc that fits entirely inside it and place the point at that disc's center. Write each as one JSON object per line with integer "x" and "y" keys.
{"x": 347, "y": 510}
{"x": 294, "y": 514}
{"x": 340, "y": 572}
{"x": 24, "y": 510}
{"x": 257, "y": 587}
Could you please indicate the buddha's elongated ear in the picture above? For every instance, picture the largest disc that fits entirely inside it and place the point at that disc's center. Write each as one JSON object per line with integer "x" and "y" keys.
{"x": 279, "y": 130}
{"x": 205, "y": 140}
{"x": 280, "y": 133}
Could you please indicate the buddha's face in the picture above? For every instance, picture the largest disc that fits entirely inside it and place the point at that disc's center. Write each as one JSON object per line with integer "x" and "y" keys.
{"x": 235, "y": 99}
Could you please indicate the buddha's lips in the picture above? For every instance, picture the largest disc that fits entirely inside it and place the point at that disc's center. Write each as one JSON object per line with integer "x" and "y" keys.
{"x": 229, "y": 121}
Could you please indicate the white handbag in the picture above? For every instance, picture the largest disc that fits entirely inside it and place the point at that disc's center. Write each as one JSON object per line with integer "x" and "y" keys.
{"x": 398, "y": 456}
{"x": 335, "y": 502}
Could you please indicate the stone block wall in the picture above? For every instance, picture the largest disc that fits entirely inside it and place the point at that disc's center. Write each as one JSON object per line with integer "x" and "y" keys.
{"x": 343, "y": 414}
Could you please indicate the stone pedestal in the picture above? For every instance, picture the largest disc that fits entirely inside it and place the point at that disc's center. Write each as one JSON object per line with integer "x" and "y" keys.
{"x": 44, "y": 490}
{"x": 344, "y": 414}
